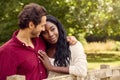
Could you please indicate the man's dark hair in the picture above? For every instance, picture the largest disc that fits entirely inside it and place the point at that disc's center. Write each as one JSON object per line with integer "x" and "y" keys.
{"x": 31, "y": 12}
{"x": 63, "y": 53}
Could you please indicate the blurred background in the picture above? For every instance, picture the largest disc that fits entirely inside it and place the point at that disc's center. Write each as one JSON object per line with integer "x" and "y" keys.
{"x": 95, "y": 23}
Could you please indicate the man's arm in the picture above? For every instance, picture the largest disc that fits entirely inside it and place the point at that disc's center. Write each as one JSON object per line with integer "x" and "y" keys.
{"x": 7, "y": 64}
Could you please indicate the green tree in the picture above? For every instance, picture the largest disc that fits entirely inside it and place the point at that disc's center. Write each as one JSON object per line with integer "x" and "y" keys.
{"x": 92, "y": 19}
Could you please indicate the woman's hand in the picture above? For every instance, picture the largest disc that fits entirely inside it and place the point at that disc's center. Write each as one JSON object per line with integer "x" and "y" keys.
{"x": 72, "y": 40}
{"x": 45, "y": 59}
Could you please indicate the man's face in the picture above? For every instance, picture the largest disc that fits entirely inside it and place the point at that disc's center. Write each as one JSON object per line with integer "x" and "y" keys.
{"x": 39, "y": 28}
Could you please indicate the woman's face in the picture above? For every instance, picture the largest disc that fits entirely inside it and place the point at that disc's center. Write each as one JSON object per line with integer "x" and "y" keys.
{"x": 51, "y": 33}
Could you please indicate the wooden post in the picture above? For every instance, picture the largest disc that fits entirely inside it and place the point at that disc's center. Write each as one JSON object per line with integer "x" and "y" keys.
{"x": 104, "y": 66}
{"x": 16, "y": 77}
{"x": 63, "y": 77}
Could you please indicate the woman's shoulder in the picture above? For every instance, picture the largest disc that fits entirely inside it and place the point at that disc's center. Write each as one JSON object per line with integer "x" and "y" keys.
{"x": 77, "y": 49}
{"x": 78, "y": 45}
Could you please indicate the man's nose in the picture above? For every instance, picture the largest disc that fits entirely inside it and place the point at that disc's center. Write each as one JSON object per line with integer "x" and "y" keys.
{"x": 43, "y": 29}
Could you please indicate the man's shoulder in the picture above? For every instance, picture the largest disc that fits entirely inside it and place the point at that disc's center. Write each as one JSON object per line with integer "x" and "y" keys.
{"x": 6, "y": 46}
{"x": 39, "y": 40}
{"x": 39, "y": 43}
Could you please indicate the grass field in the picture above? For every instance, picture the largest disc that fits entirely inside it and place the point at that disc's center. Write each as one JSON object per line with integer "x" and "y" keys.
{"x": 103, "y": 53}
{"x": 96, "y": 65}
{"x": 109, "y": 58}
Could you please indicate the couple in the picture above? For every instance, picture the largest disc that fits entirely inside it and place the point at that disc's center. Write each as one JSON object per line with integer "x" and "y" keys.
{"x": 40, "y": 38}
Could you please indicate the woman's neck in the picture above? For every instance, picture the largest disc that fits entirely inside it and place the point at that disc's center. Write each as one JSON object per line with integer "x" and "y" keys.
{"x": 51, "y": 51}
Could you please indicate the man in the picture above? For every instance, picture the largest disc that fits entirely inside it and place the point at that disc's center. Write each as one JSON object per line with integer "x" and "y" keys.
{"x": 20, "y": 54}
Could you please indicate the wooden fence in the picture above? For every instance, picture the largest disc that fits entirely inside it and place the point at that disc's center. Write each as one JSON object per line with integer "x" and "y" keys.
{"x": 104, "y": 73}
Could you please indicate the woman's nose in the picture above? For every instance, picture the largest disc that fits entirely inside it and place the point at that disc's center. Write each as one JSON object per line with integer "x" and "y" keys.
{"x": 50, "y": 33}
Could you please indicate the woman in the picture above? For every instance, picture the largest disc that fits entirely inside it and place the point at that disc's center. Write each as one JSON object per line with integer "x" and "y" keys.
{"x": 64, "y": 58}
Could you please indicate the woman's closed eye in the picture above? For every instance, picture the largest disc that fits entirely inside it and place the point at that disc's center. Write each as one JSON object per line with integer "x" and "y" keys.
{"x": 52, "y": 29}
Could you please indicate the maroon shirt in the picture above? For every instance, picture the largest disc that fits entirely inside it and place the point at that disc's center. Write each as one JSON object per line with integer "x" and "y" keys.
{"x": 16, "y": 58}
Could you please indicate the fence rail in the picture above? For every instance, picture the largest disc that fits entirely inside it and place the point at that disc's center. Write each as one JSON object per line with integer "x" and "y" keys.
{"x": 104, "y": 73}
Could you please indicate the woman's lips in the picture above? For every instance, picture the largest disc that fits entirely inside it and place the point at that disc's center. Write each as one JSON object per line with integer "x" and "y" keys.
{"x": 52, "y": 39}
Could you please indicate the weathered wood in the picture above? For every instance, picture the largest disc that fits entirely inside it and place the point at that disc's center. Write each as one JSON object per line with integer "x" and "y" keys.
{"x": 104, "y": 66}
{"x": 107, "y": 73}
{"x": 104, "y": 73}
{"x": 115, "y": 78}
{"x": 16, "y": 77}
{"x": 64, "y": 77}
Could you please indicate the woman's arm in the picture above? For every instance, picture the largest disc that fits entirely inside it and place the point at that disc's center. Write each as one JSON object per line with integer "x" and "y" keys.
{"x": 78, "y": 65}
{"x": 60, "y": 69}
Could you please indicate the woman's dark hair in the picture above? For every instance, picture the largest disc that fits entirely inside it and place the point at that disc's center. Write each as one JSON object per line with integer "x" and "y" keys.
{"x": 63, "y": 54}
{"x": 31, "y": 12}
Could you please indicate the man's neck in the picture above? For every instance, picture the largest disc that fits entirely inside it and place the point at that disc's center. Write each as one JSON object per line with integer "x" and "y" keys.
{"x": 24, "y": 36}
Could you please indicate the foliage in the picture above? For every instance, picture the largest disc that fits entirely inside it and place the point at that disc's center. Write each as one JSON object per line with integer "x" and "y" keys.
{"x": 96, "y": 20}
{"x": 8, "y": 18}
{"x": 105, "y": 22}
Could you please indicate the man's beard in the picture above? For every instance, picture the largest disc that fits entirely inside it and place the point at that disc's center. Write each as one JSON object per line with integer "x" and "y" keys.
{"x": 35, "y": 34}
